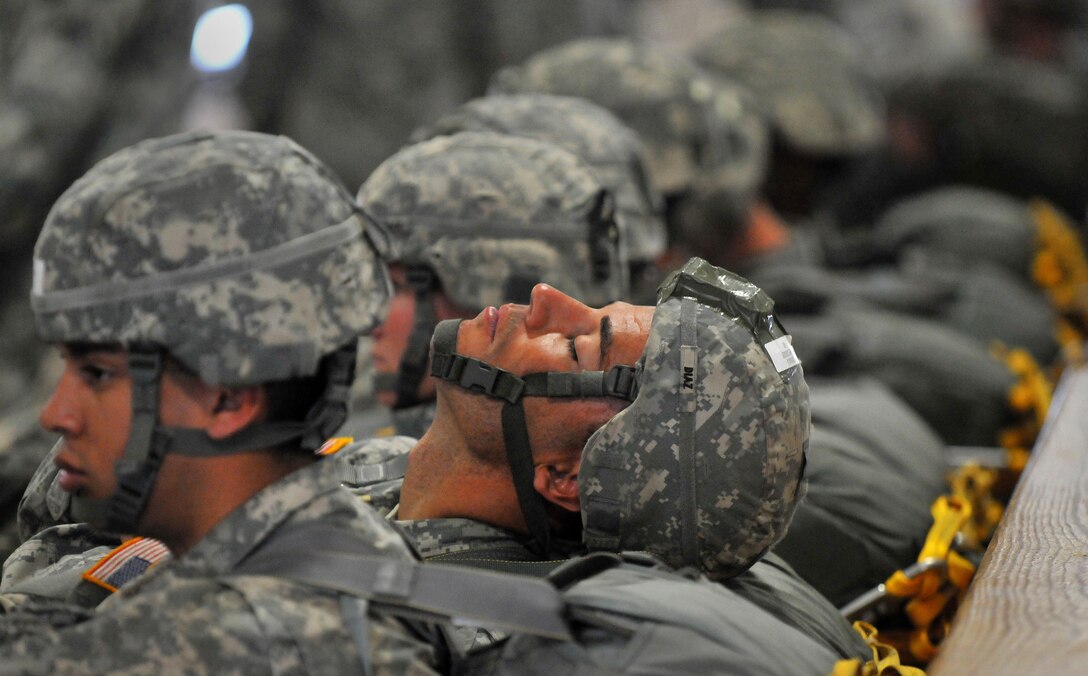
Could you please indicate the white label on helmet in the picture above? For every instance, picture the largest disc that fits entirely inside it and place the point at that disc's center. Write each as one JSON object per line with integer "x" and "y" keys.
{"x": 782, "y": 353}
{"x": 38, "y": 285}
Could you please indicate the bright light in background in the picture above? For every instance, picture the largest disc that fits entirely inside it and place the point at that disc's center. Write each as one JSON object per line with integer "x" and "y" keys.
{"x": 221, "y": 38}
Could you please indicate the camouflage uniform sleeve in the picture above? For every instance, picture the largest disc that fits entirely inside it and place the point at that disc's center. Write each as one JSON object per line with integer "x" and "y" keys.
{"x": 54, "y": 560}
{"x": 200, "y": 626}
{"x": 43, "y": 504}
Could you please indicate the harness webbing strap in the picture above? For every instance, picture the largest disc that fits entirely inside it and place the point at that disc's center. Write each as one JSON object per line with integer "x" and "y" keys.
{"x": 338, "y": 560}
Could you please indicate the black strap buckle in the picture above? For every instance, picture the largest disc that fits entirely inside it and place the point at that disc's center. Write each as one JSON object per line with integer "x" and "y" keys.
{"x": 482, "y": 377}
{"x": 621, "y": 381}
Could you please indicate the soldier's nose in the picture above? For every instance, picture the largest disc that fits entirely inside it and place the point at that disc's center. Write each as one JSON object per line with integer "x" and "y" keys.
{"x": 551, "y": 309}
{"x": 60, "y": 414}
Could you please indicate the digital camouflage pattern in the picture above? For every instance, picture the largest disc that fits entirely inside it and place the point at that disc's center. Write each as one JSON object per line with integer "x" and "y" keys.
{"x": 380, "y": 488}
{"x": 240, "y": 253}
{"x": 700, "y": 133}
{"x": 720, "y": 498}
{"x": 452, "y": 540}
{"x": 522, "y": 210}
{"x": 806, "y": 74}
{"x": 193, "y": 614}
{"x": 50, "y": 565}
{"x": 591, "y": 132}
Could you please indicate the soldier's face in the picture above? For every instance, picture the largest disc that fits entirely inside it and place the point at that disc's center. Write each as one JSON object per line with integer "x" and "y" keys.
{"x": 553, "y": 333}
{"x": 91, "y": 407}
{"x": 556, "y": 333}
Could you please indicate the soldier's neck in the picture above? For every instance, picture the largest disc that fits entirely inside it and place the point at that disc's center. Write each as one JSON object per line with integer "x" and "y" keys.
{"x": 442, "y": 481}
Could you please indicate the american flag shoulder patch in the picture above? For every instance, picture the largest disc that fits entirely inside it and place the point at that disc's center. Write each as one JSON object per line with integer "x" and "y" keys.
{"x": 126, "y": 563}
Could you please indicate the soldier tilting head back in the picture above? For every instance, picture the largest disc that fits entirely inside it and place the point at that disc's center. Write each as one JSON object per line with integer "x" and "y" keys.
{"x": 697, "y": 428}
{"x": 704, "y": 468}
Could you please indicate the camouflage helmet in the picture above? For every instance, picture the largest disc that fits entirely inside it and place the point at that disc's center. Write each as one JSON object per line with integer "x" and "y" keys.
{"x": 238, "y": 253}
{"x": 699, "y": 132}
{"x": 805, "y": 72}
{"x": 589, "y": 131}
{"x": 705, "y": 467}
{"x": 492, "y": 215}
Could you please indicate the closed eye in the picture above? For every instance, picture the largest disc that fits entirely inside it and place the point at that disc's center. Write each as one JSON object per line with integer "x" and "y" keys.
{"x": 573, "y": 349}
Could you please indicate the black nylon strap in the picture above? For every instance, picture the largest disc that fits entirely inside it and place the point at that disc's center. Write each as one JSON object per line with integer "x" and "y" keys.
{"x": 477, "y": 376}
{"x": 687, "y": 460}
{"x": 519, "y": 455}
{"x": 619, "y": 381}
{"x": 330, "y": 412}
{"x": 413, "y": 363}
{"x": 339, "y": 560}
{"x": 144, "y": 451}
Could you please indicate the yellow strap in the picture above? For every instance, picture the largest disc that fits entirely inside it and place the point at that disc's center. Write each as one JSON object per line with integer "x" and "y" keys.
{"x": 950, "y": 513}
{"x": 932, "y": 591}
{"x": 885, "y": 660}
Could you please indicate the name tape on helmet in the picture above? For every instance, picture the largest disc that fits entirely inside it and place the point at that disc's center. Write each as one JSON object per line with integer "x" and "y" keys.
{"x": 688, "y": 358}
{"x": 782, "y": 353}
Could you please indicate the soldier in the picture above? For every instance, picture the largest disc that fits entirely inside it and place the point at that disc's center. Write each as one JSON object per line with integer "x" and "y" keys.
{"x": 206, "y": 292}
{"x": 500, "y": 478}
{"x": 824, "y": 113}
{"x": 598, "y": 137}
{"x": 78, "y": 81}
{"x": 706, "y": 141}
{"x": 526, "y": 212}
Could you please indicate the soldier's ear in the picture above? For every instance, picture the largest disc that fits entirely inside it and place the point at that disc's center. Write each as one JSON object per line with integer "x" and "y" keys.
{"x": 558, "y": 484}
{"x": 235, "y": 409}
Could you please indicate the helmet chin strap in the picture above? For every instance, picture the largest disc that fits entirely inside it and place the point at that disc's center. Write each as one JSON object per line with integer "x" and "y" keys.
{"x": 149, "y": 441}
{"x": 483, "y": 378}
{"x": 413, "y": 363}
